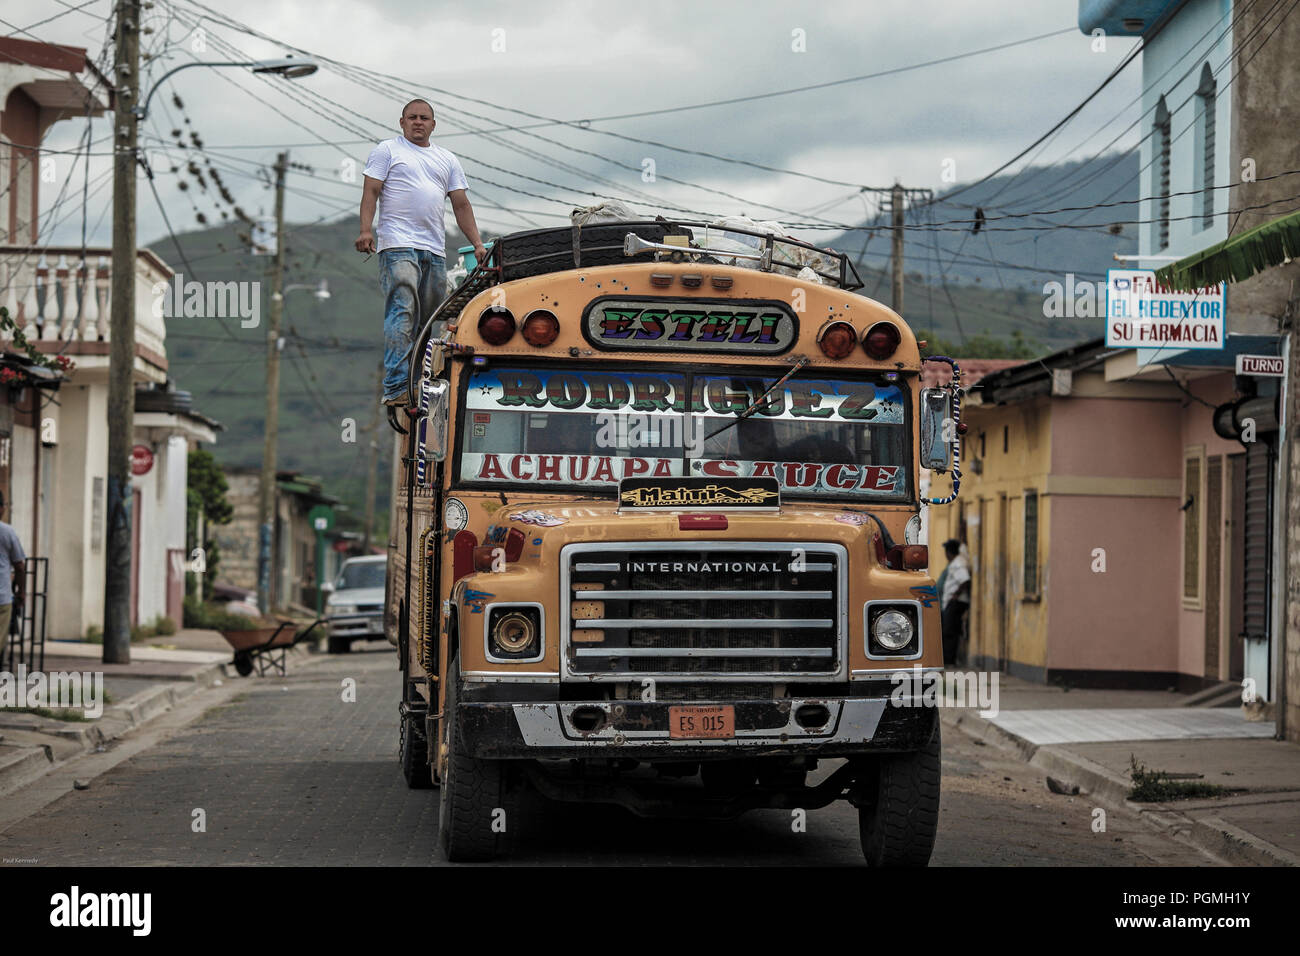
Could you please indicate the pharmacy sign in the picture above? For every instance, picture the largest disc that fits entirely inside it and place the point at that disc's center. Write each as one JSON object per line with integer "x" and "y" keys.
{"x": 1144, "y": 313}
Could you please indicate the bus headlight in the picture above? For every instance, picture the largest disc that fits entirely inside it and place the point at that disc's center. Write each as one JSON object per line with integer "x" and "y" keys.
{"x": 892, "y": 631}
{"x": 515, "y": 633}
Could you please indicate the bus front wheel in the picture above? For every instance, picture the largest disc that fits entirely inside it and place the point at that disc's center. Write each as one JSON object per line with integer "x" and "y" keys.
{"x": 477, "y": 812}
{"x": 898, "y": 809}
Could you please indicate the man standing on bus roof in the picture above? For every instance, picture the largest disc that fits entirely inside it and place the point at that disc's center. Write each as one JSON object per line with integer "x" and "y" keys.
{"x": 414, "y": 178}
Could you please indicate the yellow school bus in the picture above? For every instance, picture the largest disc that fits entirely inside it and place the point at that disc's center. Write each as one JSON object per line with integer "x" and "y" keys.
{"x": 656, "y": 538}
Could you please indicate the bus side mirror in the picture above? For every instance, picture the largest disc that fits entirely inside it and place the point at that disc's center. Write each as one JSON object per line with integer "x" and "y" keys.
{"x": 936, "y": 442}
{"x": 437, "y": 403}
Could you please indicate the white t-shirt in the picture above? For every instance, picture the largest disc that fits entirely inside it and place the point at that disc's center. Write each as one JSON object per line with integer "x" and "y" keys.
{"x": 416, "y": 182}
{"x": 958, "y": 575}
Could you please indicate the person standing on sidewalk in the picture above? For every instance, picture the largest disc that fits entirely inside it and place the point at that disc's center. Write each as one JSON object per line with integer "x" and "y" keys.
{"x": 410, "y": 179}
{"x": 13, "y": 576}
{"x": 954, "y": 599}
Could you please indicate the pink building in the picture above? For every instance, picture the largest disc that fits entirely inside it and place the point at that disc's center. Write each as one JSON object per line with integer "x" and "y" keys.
{"x": 1115, "y": 537}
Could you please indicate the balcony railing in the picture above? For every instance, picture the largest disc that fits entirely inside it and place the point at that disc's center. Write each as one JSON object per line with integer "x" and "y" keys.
{"x": 54, "y": 294}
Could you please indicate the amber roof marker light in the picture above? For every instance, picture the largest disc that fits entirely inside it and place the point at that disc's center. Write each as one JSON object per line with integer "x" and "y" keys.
{"x": 837, "y": 339}
{"x": 881, "y": 340}
{"x": 540, "y": 328}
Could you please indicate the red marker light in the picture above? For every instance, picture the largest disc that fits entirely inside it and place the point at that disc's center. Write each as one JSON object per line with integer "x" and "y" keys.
{"x": 541, "y": 328}
{"x": 496, "y": 325}
{"x": 462, "y": 550}
{"x": 916, "y": 557}
{"x": 837, "y": 339}
{"x": 701, "y": 522}
{"x": 882, "y": 340}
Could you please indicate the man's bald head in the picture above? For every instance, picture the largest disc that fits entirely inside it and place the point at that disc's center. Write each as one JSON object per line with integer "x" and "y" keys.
{"x": 425, "y": 103}
{"x": 417, "y": 121}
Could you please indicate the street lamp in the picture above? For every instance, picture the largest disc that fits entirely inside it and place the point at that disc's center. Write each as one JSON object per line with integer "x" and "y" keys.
{"x": 121, "y": 363}
{"x": 321, "y": 290}
{"x": 288, "y": 67}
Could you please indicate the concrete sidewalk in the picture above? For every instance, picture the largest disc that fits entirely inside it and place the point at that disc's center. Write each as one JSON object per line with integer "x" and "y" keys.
{"x": 163, "y": 672}
{"x": 1091, "y": 739}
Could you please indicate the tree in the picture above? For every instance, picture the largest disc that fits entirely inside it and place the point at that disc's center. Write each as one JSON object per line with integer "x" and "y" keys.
{"x": 205, "y": 494}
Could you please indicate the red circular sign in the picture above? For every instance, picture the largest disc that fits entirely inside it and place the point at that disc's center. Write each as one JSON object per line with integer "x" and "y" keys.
{"x": 141, "y": 460}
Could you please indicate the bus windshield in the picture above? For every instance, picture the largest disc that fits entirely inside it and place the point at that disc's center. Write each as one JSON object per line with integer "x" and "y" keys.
{"x": 840, "y": 437}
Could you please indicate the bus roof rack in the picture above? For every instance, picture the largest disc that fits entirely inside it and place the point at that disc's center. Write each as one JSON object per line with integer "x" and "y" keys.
{"x": 533, "y": 252}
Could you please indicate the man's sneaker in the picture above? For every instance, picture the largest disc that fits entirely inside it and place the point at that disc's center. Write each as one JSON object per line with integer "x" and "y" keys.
{"x": 395, "y": 401}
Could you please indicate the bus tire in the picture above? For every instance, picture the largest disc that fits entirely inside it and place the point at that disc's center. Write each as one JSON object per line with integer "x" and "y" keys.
{"x": 478, "y": 810}
{"x": 413, "y": 751}
{"x": 899, "y": 814}
{"x": 551, "y": 250}
{"x": 339, "y": 645}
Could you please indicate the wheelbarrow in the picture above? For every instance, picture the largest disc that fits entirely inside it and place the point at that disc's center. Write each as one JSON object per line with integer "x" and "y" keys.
{"x": 265, "y": 647}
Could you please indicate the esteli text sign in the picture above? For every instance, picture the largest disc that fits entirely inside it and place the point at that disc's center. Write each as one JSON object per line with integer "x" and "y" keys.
{"x": 1144, "y": 313}
{"x": 1271, "y": 366}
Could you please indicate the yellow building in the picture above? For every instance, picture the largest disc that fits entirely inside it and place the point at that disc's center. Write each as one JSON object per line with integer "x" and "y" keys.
{"x": 1109, "y": 527}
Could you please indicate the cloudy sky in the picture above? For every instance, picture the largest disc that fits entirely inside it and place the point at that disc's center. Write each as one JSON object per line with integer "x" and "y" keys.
{"x": 562, "y": 70}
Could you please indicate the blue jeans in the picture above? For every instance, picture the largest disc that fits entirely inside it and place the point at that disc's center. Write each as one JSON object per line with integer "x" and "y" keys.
{"x": 407, "y": 276}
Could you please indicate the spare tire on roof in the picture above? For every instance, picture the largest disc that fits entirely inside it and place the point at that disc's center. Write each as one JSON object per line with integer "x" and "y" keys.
{"x": 540, "y": 251}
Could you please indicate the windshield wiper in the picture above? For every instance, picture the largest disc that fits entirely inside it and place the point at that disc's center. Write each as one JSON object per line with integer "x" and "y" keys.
{"x": 762, "y": 399}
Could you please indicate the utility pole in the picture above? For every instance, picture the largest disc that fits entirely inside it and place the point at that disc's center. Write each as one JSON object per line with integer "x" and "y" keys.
{"x": 266, "y": 488}
{"x": 121, "y": 362}
{"x": 896, "y": 202}
{"x": 372, "y": 474}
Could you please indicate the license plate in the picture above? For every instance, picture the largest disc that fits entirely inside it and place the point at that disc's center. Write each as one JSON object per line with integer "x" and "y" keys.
{"x": 702, "y": 722}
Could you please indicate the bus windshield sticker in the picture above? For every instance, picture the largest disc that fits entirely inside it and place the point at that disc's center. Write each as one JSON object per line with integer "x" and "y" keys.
{"x": 583, "y": 392}
{"x": 844, "y": 439}
{"x": 810, "y": 477}
{"x": 759, "y": 327}
{"x": 698, "y": 493}
{"x": 565, "y": 469}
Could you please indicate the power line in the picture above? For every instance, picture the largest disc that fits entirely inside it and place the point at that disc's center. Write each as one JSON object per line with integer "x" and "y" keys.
{"x": 1123, "y": 64}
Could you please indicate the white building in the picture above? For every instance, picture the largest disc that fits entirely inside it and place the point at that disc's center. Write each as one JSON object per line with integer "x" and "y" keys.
{"x": 54, "y": 439}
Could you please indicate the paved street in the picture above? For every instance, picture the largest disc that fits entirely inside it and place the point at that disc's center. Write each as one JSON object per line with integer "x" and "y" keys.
{"x": 287, "y": 773}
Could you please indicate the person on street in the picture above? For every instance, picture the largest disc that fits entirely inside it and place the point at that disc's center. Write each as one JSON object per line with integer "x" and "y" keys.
{"x": 410, "y": 179}
{"x": 954, "y": 599}
{"x": 13, "y": 574}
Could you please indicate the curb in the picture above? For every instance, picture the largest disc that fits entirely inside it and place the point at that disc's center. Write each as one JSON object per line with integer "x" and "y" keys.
{"x": 23, "y": 766}
{"x": 28, "y": 763}
{"x": 1214, "y": 836}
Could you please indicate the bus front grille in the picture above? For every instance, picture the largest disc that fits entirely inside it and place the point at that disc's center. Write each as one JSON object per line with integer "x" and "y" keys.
{"x": 688, "y": 610}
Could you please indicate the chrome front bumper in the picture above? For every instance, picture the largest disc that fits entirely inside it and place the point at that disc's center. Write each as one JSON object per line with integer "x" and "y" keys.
{"x": 546, "y": 730}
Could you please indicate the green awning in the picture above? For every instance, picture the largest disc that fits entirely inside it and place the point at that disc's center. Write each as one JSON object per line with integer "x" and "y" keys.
{"x": 1237, "y": 258}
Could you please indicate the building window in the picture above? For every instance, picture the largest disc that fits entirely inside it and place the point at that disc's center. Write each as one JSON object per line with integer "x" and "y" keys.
{"x": 1205, "y": 95}
{"x": 1160, "y": 145}
{"x": 1193, "y": 498}
{"x": 1031, "y": 543}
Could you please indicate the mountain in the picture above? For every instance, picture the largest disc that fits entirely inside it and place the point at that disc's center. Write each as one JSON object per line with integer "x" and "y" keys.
{"x": 996, "y": 276}
{"x": 992, "y": 283}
